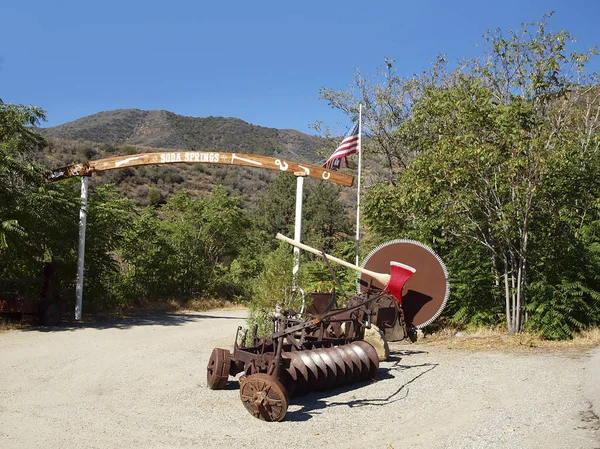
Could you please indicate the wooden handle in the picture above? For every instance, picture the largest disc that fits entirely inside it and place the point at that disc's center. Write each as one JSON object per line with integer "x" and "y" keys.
{"x": 381, "y": 277}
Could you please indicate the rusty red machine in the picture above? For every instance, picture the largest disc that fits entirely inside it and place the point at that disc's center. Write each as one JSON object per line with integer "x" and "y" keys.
{"x": 402, "y": 286}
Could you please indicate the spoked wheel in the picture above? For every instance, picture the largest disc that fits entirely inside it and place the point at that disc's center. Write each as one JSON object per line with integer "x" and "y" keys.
{"x": 217, "y": 371}
{"x": 264, "y": 397}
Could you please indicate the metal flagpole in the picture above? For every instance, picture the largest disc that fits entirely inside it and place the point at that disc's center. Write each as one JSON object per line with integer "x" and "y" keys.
{"x": 359, "y": 173}
{"x": 81, "y": 249}
{"x": 298, "y": 224}
{"x": 298, "y": 234}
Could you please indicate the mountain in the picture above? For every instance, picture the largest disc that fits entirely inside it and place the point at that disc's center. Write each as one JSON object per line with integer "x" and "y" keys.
{"x": 131, "y": 131}
{"x": 164, "y": 129}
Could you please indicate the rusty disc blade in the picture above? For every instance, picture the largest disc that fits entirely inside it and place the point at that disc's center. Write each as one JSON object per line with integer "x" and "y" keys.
{"x": 320, "y": 382}
{"x": 299, "y": 366}
{"x": 289, "y": 377}
{"x": 348, "y": 365}
{"x": 291, "y": 369}
{"x": 307, "y": 361}
{"x": 351, "y": 356}
{"x": 331, "y": 376}
{"x": 300, "y": 373}
{"x": 372, "y": 354}
{"x": 364, "y": 360}
{"x": 425, "y": 294}
{"x": 217, "y": 370}
{"x": 340, "y": 377}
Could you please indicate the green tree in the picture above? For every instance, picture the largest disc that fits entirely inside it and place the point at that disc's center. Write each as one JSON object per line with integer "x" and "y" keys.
{"x": 37, "y": 220}
{"x": 109, "y": 218}
{"x": 325, "y": 218}
{"x": 276, "y": 209}
{"x": 502, "y": 153}
{"x": 17, "y": 170}
{"x": 187, "y": 249}
{"x": 148, "y": 266}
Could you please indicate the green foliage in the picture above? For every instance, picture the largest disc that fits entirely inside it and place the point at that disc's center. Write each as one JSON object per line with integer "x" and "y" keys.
{"x": 473, "y": 302}
{"x": 325, "y": 220}
{"x": 147, "y": 267}
{"x": 108, "y": 218}
{"x": 276, "y": 209}
{"x": 560, "y": 310}
{"x": 36, "y": 223}
{"x": 325, "y": 226}
{"x": 274, "y": 287}
{"x": 18, "y": 172}
{"x": 495, "y": 164}
{"x": 154, "y": 196}
{"x": 189, "y": 248}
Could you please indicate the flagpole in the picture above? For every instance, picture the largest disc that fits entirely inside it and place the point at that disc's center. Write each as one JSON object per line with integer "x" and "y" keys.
{"x": 359, "y": 173}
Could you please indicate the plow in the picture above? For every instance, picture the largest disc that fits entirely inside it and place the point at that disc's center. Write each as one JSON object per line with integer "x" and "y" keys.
{"x": 401, "y": 287}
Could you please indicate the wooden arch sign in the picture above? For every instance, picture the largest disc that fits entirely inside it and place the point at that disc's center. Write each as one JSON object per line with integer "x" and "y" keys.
{"x": 199, "y": 157}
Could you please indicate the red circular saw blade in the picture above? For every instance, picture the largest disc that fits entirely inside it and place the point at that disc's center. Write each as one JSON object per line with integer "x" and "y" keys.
{"x": 425, "y": 294}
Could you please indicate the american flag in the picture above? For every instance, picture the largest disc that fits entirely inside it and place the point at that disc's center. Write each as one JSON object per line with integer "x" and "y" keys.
{"x": 348, "y": 146}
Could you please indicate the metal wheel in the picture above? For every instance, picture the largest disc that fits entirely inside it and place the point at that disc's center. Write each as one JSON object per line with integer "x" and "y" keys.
{"x": 217, "y": 371}
{"x": 264, "y": 397}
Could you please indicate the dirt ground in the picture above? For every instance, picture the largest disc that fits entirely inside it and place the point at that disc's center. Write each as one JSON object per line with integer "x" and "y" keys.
{"x": 141, "y": 383}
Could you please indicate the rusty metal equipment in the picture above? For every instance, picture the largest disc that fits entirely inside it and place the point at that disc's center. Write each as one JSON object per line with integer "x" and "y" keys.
{"x": 300, "y": 356}
{"x": 417, "y": 284}
{"x": 327, "y": 349}
{"x": 47, "y": 306}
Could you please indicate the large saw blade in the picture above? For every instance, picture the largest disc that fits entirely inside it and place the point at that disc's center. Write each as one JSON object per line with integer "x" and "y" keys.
{"x": 425, "y": 294}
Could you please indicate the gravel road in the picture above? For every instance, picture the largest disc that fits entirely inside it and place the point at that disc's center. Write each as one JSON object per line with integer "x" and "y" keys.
{"x": 141, "y": 383}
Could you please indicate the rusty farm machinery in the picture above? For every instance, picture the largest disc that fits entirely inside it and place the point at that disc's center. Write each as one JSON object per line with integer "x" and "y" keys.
{"x": 402, "y": 286}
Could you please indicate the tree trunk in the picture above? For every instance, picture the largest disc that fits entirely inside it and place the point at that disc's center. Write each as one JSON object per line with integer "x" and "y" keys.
{"x": 509, "y": 321}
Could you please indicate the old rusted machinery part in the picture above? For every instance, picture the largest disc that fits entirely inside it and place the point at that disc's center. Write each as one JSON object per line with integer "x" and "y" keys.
{"x": 264, "y": 397}
{"x": 425, "y": 294}
{"x": 301, "y": 355}
{"x": 330, "y": 367}
{"x": 217, "y": 371}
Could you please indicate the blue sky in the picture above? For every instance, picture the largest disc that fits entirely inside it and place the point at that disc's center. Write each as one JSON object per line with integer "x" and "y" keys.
{"x": 261, "y": 61}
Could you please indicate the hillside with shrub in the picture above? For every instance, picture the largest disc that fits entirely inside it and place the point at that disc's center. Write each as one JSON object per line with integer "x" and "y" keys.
{"x": 131, "y": 131}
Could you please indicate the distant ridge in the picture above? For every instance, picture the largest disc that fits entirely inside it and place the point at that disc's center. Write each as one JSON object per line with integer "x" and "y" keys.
{"x": 164, "y": 129}
{"x": 131, "y": 131}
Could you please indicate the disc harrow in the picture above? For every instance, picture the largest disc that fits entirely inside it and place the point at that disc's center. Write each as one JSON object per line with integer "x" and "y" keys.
{"x": 327, "y": 349}
{"x": 300, "y": 356}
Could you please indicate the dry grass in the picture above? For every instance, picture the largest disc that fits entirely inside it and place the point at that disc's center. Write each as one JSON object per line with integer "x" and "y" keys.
{"x": 6, "y": 325}
{"x": 499, "y": 339}
{"x": 210, "y": 304}
{"x": 592, "y": 335}
{"x": 170, "y": 306}
{"x": 174, "y": 306}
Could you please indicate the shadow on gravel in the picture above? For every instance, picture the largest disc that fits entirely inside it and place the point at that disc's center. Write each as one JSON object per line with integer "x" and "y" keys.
{"x": 312, "y": 403}
{"x": 127, "y": 322}
{"x": 397, "y": 355}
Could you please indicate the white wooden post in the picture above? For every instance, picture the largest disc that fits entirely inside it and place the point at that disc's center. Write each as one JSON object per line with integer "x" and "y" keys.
{"x": 81, "y": 249}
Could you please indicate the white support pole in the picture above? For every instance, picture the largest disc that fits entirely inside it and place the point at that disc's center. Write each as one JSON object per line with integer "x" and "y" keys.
{"x": 359, "y": 174}
{"x": 81, "y": 249}
{"x": 298, "y": 225}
